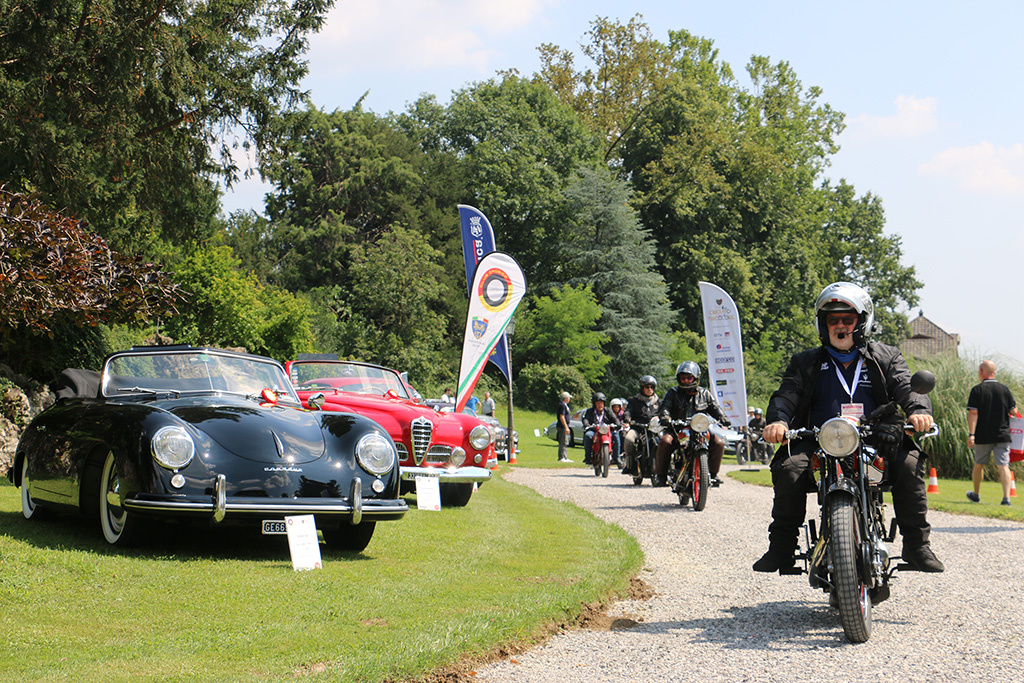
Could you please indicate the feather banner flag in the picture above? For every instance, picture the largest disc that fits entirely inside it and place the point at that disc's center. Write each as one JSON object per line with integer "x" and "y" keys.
{"x": 477, "y": 241}
{"x": 498, "y": 286}
{"x": 725, "y": 351}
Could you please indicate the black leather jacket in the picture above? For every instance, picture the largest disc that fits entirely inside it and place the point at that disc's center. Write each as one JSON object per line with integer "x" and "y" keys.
{"x": 680, "y": 405}
{"x": 589, "y": 418}
{"x": 890, "y": 380}
{"x": 639, "y": 411}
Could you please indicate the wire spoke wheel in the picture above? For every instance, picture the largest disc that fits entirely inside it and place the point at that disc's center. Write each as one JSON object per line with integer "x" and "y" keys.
{"x": 851, "y": 591}
{"x": 701, "y": 481}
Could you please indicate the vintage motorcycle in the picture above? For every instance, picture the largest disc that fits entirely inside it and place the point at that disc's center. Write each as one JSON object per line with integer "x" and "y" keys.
{"x": 645, "y": 449}
{"x": 688, "y": 472}
{"x": 601, "y": 449}
{"x": 850, "y": 558}
{"x": 752, "y": 448}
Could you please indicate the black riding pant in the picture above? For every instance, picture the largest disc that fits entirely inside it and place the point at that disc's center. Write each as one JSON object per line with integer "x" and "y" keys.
{"x": 791, "y": 479}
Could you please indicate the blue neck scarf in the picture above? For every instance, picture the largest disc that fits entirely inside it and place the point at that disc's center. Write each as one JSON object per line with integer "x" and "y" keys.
{"x": 842, "y": 356}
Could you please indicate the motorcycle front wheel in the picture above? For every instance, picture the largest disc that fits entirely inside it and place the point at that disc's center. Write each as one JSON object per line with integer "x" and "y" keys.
{"x": 741, "y": 452}
{"x": 605, "y": 459}
{"x": 701, "y": 482}
{"x": 851, "y": 591}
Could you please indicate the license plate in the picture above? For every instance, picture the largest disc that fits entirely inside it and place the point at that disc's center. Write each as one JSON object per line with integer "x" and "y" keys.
{"x": 274, "y": 527}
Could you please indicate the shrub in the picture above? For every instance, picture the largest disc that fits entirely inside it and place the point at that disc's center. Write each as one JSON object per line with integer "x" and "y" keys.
{"x": 538, "y": 386}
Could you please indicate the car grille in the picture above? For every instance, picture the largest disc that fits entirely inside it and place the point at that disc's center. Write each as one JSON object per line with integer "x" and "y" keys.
{"x": 422, "y": 430}
{"x": 403, "y": 452}
{"x": 439, "y": 455}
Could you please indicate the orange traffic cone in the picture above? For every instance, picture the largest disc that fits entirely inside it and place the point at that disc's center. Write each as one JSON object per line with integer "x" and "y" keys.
{"x": 1013, "y": 485}
{"x": 512, "y": 456}
{"x": 933, "y": 482}
{"x": 493, "y": 462}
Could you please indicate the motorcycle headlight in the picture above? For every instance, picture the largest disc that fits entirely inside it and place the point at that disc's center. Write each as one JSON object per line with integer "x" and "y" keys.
{"x": 700, "y": 423}
{"x": 480, "y": 438}
{"x": 172, "y": 447}
{"x": 654, "y": 426}
{"x": 838, "y": 437}
{"x": 376, "y": 454}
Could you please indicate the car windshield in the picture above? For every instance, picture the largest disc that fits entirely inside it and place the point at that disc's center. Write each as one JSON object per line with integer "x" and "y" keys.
{"x": 191, "y": 371}
{"x": 349, "y": 377}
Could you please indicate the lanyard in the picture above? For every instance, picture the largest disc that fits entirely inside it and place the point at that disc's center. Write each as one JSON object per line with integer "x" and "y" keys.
{"x": 856, "y": 377}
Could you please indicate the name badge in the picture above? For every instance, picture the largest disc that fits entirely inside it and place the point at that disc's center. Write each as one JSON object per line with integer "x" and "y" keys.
{"x": 853, "y": 410}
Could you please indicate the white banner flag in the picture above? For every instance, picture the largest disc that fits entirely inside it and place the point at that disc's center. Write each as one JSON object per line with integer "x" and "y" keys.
{"x": 498, "y": 287}
{"x": 725, "y": 352}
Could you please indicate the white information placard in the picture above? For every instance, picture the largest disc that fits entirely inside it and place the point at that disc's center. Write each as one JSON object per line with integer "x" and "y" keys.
{"x": 303, "y": 542}
{"x": 428, "y": 493}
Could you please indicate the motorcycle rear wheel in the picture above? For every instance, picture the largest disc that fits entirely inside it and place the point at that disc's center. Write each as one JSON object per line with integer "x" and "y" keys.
{"x": 701, "y": 482}
{"x": 850, "y": 589}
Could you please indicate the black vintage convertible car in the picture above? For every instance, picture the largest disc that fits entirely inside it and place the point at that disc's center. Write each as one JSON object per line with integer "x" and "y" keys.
{"x": 208, "y": 436}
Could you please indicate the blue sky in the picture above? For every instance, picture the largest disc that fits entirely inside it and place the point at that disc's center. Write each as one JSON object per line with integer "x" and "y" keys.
{"x": 933, "y": 93}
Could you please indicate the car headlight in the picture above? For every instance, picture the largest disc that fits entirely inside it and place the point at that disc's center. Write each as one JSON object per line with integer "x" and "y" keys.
{"x": 838, "y": 437}
{"x": 376, "y": 454}
{"x": 457, "y": 457}
{"x": 480, "y": 438}
{"x": 172, "y": 447}
{"x": 700, "y": 423}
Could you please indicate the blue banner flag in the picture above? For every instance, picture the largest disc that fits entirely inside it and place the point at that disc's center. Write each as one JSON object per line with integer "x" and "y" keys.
{"x": 477, "y": 242}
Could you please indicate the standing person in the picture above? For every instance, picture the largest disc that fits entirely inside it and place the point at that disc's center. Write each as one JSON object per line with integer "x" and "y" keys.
{"x": 446, "y": 397}
{"x": 488, "y": 405}
{"x": 473, "y": 403}
{"x": 562, "y": 416}
{"x": 989, "y": 407}
{"x": 846, "y": 375}
{"x": 682, "y": 402}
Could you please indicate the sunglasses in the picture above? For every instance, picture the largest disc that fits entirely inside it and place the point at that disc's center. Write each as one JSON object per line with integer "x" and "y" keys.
{"x": 848, "y": 320}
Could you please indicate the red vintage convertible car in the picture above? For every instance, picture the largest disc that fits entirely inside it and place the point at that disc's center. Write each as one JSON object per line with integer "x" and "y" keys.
{"x": 456, "y": 448}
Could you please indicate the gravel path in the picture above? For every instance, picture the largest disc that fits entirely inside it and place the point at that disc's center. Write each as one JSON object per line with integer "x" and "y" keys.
{"x": 713, "y": 619}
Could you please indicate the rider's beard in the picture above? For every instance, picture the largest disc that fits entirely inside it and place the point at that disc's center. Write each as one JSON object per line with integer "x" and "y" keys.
{"x": 843, "y": 344}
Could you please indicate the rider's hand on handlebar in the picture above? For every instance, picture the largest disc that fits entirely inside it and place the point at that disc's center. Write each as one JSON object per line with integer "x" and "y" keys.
{"x": 922, "y": 422}
{"x": 775, "y": 432}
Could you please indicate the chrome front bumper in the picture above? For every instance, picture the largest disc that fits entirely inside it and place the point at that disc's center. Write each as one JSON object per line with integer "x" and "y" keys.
{"x": 220, "y": 507}
{"x": 447, "y": 475}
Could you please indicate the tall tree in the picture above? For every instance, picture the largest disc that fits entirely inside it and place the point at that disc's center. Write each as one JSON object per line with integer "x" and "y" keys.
{"x": 607, "y": 248}
{"x": 111, "y": 109}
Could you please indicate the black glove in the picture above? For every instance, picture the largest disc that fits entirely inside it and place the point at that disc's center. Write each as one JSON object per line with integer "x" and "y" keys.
{"x": 665, "y": 422}
{"x": 888, "y": 435}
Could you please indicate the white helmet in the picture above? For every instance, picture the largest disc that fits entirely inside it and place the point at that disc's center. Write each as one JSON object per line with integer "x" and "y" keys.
{"x": 617, "y": 402}
{"x": 845, "y": 296}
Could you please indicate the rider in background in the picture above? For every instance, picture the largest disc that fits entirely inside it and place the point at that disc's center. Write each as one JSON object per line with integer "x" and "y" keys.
{"x": 846, "y": 375}
{"x": 640, "y": 409}
{"x": 593, "y": 417}
{"x": 682, "y": 402}
{"x": 617, "y": 405}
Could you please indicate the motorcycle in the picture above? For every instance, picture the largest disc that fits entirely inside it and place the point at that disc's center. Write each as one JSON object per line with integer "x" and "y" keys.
{"x": 601, "y": 449}
{"x": 645, "y": 449}
{"x": 850, "y": 558}
{"x": 688, "y": 472}
{"x": 752, "y": 448}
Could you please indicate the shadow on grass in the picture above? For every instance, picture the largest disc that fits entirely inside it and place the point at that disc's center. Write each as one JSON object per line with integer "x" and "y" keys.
{"x": 168, "y": 541}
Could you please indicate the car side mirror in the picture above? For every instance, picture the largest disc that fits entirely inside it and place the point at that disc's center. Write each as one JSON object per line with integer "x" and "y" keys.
{"x": 316, "y": 401}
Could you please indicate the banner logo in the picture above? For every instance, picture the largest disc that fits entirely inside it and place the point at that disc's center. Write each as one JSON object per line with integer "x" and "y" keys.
{"x": 479, "y": 327}
{"x": 495, "y": 290}
{"x": 474, "y": 227}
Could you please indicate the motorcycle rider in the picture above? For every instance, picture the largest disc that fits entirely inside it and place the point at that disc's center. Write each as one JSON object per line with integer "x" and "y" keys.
{"x": 846, "y": 375}
{"x": 618, "y": 405}
{"x": 682, "y": 402}
{"x": 640, "y": 410}
{"x": 761, "y": 451}
{"x": 593, "y": 417}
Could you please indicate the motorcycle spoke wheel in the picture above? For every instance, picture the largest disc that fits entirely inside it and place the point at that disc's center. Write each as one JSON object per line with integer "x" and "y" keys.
{"x": 851, "y": 591}
{"x": 606, "y": 458}
{"x": 701, "y": 484}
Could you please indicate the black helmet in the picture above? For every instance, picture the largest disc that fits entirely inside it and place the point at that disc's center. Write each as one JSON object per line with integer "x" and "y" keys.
{"x": 648, "y": 380}
{"x": 598, "y": 396}
{"x": 845, "y": 297}
{"x": 758, "y": 412}
{"x": 688, "y": 368}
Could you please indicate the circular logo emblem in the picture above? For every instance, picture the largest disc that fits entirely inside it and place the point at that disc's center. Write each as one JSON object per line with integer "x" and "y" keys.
{"x": 495, "y": 288}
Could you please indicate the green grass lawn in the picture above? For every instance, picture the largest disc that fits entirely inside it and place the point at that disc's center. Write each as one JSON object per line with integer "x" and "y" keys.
{"x": 227, "y": 606}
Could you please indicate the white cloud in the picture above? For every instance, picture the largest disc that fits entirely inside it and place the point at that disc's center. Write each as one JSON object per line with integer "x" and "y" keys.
{"x": 914, "y": 116}
{"x": 982, "y": 168}
{"x": 418, "y": 35}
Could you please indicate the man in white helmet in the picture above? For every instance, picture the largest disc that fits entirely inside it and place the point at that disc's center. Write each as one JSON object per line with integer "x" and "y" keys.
{"x": 848, "y": 375}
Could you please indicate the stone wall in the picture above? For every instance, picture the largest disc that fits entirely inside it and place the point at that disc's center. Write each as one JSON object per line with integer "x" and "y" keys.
{"x": 20, "y": 400}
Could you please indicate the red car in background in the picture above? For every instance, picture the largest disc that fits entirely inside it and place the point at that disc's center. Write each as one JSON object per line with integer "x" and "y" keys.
{"x": 454, "y": 447}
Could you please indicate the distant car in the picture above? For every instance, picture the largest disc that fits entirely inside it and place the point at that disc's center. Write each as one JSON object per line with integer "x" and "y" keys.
{"x": 206, "y": 436}
{"x": 575, "y": 428}
{"x": 453, "y": 447}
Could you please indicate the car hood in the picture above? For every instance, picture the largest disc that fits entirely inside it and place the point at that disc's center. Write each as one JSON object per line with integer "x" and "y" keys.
{"x": 267, "y": 434}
